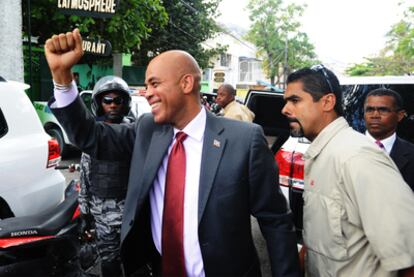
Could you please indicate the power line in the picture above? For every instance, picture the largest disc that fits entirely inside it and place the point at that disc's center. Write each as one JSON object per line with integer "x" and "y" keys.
{"x": 228, "y": 32}
{"x": 222, "y": 28}
{"x": 187, "y": 33}
{"x": 189, "y": 6}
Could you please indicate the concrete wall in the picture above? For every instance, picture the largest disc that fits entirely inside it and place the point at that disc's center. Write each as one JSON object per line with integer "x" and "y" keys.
{"x": 11, "y": 53}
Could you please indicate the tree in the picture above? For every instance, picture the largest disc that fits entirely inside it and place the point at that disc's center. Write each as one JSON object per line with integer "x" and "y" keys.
{"x": 382, "y": 65}
{"x": 396, "y": 58}
{"x": 275, "y": 32}
{"x": 190, "y": 24}
{"x": 125, "y": 30}
{"x": 401, "y": 37}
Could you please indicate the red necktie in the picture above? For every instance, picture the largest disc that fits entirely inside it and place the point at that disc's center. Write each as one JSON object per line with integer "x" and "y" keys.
{"x": 173, "y": 263}
{"x": 379, "y": 143}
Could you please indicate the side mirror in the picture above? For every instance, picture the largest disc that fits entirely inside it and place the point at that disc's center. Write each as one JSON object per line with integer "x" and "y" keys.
{"x": 86, "y": 97}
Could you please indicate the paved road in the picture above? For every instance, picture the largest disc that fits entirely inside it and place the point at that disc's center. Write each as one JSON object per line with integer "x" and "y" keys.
{"x": 72, "y": 159}
{"x": 261, "y": 248}
{"x": 257, "y": 235}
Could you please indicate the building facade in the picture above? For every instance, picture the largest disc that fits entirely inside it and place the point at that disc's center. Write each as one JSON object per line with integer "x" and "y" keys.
{"x": 238, "y": 66}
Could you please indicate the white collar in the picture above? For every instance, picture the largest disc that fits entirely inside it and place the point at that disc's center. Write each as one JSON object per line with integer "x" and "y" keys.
{"x": 387, "y": 142}
{"x": 195, "y": 128}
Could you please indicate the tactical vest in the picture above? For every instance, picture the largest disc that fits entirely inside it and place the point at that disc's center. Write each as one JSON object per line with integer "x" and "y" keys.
{"x": 109, "y": 179}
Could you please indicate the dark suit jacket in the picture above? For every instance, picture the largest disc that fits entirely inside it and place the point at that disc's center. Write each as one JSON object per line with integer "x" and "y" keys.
{"x": 402, "y": 153}
{"x": 238, "y": 178}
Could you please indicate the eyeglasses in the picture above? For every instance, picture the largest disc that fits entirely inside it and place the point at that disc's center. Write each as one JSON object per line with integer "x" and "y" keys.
{"x": 381, "y": 110}
{"x": 109, "y": 100}
{"x": 322, "y": 68}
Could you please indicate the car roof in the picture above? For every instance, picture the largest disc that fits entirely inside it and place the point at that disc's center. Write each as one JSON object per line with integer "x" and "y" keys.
{"x": 16, "y": 107}
{"x": 374, "y": 80}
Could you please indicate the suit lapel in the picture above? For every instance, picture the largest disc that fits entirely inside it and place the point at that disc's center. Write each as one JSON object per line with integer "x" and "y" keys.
{"x": 160, "y": 141}
{"x": 213, "y": 147}
{"x": 398, "y": 153}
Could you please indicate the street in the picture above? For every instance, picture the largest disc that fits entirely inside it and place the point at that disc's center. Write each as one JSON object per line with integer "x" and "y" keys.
{"x": 72, "y": 159}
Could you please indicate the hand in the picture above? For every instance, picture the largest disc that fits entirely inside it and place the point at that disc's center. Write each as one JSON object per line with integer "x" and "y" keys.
{"x": 302, "y": 254}
{"x": 62, "y": 52}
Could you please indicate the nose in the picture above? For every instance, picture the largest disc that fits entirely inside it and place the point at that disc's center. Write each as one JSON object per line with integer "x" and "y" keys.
{"x": 148, "y": 93}
{"x": 375, "y": 114}
{"x": 285, "y": 110}
{"x": 112, "y": 107}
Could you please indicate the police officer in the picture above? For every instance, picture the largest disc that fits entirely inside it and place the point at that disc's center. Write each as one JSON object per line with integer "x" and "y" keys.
{"x": 104, "y": 183}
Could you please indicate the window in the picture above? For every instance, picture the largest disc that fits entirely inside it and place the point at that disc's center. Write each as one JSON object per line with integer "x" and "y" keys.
{"x": 225, "y": 60}
{"x": 3, "y": 125}
{"x": 249, "y": 70}
{"x": 207, "y": 74}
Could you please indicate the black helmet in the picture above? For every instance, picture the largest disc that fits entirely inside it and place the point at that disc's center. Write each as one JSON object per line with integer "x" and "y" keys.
{"x": 110, "y": 83}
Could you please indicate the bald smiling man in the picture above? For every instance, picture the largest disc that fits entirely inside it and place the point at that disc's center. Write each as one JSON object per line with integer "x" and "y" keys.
{"x": 225, "y": 173}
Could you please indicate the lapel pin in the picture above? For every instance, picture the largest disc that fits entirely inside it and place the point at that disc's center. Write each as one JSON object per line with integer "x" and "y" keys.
{"x": 216, "y": 143}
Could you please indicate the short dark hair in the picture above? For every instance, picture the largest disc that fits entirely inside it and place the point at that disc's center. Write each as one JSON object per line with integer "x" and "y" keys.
{"x": 229, "y": 88}
{"x": 319, "y": 81}
{"x": 398, "y": 101}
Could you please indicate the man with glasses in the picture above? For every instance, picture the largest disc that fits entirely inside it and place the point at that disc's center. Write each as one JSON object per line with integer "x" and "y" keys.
{"x": 358, "y": 213}
{"x": 104, "y": 183}
{"x": 383, "y": 110}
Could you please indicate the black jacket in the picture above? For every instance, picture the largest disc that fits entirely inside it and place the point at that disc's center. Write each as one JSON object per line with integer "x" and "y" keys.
{"x": 402, "y": 153}
{"x": 238, "y": 178}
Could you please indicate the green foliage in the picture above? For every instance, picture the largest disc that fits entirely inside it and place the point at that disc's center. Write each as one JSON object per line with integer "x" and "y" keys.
{"x": 397, "y": 57}
{"x": 363, "y": 69}
{"x": 382, "y": 65}
{"x": 190, "y": 23}
{"x": 401, "y": 35}
{"x": 275, "y": 30}
{"x": 125, "y": 30}
{"x": 37, "y": 53}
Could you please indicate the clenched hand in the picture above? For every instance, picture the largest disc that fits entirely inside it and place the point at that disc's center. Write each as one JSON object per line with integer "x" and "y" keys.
{"x": 62, "y": 52}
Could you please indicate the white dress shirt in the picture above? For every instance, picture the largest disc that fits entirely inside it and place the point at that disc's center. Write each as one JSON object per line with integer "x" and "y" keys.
{"x": 387, "y": 142}
{"x": 66, "y": 96}
{"x": 193, "y": 145}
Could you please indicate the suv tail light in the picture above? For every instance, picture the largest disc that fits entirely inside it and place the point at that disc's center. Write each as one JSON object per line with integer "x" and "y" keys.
{"x": 54, "y": 153}
{"x": 291, "y": 168}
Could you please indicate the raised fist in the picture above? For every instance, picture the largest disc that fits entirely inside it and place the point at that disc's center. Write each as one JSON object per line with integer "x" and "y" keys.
{"x": 62, "y": 52}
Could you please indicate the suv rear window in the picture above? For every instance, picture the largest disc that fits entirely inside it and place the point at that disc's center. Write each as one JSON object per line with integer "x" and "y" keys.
{"x": 267, "y": 108}
{"x": 3, "y": 125}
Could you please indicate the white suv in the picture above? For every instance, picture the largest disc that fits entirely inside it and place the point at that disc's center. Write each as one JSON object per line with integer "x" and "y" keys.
{"x": 29, "y": 183}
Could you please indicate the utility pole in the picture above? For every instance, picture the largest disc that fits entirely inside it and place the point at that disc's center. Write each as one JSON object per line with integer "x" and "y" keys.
{"x": 11, "y": 45}
{"x": 285, "y": 64}
{"x": 29, "y": 35}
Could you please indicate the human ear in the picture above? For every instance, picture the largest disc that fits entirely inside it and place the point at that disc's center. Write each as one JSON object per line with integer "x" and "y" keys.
{"x": 187, "y": 83}
{"x": 401, "y": 114}
{"x": 329, "y": 102}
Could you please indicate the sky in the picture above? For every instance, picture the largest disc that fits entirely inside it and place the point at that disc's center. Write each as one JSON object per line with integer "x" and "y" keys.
{"x": 342, "y": 31}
